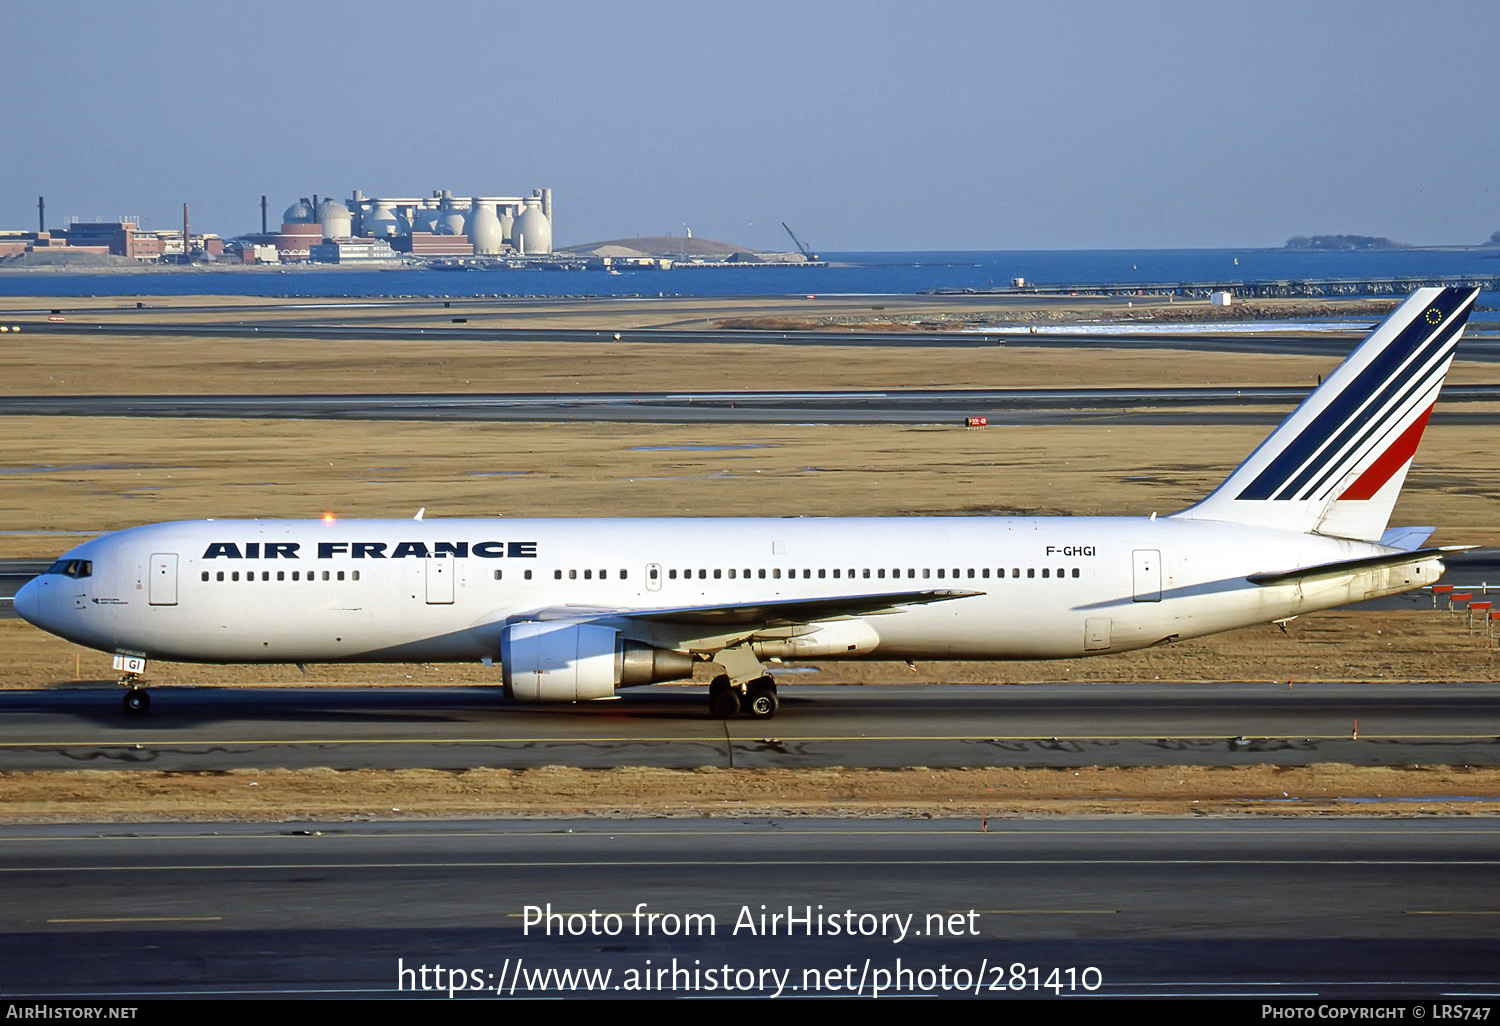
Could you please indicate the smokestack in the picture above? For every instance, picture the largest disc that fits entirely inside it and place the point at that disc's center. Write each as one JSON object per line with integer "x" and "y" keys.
{"x": 41, "y": 214}
{"x": 263, "y": 215}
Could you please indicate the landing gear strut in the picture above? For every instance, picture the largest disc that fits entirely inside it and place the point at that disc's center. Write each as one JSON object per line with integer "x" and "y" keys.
{"x": 757, "y": 699}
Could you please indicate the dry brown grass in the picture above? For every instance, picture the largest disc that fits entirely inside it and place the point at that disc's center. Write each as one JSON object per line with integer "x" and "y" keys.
{"x": 88, "y": 475}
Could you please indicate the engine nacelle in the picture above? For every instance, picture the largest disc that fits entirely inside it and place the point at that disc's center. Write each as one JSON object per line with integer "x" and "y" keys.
{"x": 580, "y": 662}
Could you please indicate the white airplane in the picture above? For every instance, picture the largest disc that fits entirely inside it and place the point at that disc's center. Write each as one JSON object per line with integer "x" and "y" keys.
{"x": 574, "y": 609}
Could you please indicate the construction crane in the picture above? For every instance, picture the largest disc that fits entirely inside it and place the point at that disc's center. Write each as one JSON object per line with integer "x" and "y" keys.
{"x": 804, "y": 250}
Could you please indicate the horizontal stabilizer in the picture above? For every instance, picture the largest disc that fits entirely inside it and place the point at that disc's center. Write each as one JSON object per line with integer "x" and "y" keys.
{"x": 1348, "y": 567}
{"x": 1407, "y": 538}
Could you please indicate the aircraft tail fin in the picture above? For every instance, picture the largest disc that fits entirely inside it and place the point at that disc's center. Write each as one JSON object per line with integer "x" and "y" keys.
{"x": 1336, "y": 464}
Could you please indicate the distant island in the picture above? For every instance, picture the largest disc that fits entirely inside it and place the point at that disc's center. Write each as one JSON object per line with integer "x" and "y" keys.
{"x": 1342, "y": 242}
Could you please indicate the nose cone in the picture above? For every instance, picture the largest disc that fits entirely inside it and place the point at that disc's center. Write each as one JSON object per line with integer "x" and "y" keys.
{"x": 28, "y": 603}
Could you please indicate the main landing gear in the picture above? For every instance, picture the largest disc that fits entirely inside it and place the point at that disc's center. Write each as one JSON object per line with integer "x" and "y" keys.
{"x": 756, "y": 699}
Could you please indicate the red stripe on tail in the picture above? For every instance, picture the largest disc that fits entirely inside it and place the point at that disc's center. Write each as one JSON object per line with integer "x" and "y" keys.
{"x": 1392, "y": 460}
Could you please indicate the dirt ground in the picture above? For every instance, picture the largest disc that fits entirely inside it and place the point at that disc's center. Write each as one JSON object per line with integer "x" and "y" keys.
{"x": 978, "y": 797}
{"x": 66, "y": 479}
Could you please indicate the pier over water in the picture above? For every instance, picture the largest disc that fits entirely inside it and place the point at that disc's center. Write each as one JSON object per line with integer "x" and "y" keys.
{"x": 1265, "y": 289}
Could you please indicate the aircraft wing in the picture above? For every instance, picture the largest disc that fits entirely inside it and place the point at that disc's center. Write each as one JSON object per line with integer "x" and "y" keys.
{"x": 1346, "y": 567}
{"x": 778, "y": 613}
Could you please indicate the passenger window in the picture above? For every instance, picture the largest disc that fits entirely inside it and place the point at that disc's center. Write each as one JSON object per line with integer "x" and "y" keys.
{"x": 205, "y": 575}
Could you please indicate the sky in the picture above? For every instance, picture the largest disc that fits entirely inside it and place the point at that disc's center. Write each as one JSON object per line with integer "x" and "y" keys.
{"x": 869, "y": 125}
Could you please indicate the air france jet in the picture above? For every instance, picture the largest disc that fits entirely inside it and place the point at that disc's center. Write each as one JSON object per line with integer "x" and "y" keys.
{"x": 573, "y": 610}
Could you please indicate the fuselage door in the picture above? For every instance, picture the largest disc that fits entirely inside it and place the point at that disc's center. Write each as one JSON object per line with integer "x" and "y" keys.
{"x": 162, "y": 588}
{"x": 439, "y": 580}
{"x": 653, "y": 577}
{"x": 1147, "y": 575}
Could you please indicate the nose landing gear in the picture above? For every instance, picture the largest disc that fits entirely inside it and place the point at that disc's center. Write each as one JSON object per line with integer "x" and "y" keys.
{"x": 137, "y": 699}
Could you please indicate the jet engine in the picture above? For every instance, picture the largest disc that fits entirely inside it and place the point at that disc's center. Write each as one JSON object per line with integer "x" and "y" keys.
{"x": 580, "y": 662}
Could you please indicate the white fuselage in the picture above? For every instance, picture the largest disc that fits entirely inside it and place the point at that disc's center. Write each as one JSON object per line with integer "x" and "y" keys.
{"x": 444, "y": 590}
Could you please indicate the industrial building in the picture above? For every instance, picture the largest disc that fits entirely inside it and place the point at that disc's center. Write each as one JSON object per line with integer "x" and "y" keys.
{"x": 118, "y": 238}
{"x": 440, "y": 225}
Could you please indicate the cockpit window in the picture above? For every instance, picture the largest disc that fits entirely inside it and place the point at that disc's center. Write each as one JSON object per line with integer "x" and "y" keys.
{"x": 75, "y": 568}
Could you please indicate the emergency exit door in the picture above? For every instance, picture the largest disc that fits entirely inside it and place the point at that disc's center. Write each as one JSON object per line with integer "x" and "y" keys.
{"x": 161, "y": 588}
{"x": 1147, "y": 575}
{"x": 439, "y": 580}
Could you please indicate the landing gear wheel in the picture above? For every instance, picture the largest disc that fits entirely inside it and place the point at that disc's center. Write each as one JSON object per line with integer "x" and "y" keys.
{"x": 137, "y": 700}
{"x": 723, "y": 703}
{"x": 761, "y": 702}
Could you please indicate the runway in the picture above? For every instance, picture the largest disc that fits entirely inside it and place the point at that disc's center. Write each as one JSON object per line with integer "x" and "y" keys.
{"x": 904, "y": 406}
{"x": 1375, "y": 909}
{"x": 870, "y": 726}
{"x": 489, "y": 328}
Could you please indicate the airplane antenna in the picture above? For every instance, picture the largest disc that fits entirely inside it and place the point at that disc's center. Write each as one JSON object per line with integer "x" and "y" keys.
{"x": 419, "y": 513}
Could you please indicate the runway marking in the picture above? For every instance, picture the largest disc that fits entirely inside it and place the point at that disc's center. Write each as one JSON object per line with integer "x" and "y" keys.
{"x": 143, "y": 919}
{"x": 1000, "y": 830}
{"x": 159, "y": 742}
{"x": 1452, "y": 912}
{"x": 756, "y": 863}
{"x": 1048, "y": 911}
